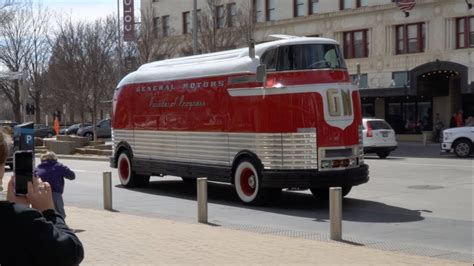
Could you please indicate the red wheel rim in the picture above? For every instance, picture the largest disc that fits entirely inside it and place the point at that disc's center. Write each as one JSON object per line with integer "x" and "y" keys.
{"x": 247, "y": 178}
{"x": 124, "y": 169}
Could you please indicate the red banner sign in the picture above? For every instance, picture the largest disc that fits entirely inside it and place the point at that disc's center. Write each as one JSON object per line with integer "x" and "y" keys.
{"x": 128, "y": 21}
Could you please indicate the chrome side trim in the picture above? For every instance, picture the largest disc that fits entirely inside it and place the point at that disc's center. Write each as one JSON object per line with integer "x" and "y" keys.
{"x": 275, "y": 150}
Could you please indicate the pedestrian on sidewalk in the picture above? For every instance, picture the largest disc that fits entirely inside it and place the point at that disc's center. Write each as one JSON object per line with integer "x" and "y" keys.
{"x": 459, "y": 119}
{"x": 54, "y": 172}
{"x": 438, "y": 127}
{"x": 452, "y": 121}
{"x": 35, "y": 235}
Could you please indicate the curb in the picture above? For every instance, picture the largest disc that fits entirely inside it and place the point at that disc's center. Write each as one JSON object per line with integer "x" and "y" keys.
{"x": 79, "y": 157}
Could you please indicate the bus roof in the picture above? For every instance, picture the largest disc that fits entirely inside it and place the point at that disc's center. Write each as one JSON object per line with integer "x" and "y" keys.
{"x": 212, "y": 64}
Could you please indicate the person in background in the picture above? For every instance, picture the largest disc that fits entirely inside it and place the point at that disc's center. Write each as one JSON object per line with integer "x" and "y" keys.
{"x": 452, "y": 121}
{"x": 459, "y": 119}
{"x": 54, "y": 172}
{"x": 35, "y": 235}
{"x": 470, "y": 121}
{"x": 438, "y": 127}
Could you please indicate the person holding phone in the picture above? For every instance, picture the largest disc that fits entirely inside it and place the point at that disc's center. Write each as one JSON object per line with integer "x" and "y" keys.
{"x": 35, "y": 235}
{"x": 54, "y": 172}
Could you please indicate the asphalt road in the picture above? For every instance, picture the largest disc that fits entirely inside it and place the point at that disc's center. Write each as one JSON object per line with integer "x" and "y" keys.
{"x": 420, "y": 204}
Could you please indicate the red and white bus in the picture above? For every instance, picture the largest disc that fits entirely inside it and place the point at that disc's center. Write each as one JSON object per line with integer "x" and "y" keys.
{"x": 224, "y": 116}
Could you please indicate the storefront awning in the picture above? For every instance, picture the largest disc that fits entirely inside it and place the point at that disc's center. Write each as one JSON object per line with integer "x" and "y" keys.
{"x": 384, "y": 92}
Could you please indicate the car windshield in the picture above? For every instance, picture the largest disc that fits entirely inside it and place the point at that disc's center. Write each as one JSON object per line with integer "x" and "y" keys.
{"x": 378, "y": 124}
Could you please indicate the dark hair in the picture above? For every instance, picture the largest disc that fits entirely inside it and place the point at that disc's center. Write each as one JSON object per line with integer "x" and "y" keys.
{"x": 3, "y": 148}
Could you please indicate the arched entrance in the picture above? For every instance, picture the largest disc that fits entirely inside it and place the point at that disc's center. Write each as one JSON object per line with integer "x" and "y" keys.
{"x": 445, "y": 85}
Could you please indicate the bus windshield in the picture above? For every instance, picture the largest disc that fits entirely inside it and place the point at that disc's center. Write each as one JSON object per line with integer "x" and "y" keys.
{"x": 309, "y": 56}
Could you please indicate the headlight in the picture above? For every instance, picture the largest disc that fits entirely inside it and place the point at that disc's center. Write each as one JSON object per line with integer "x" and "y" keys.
{"x": 447, "y": 135}
{"x": 325, "y": 164}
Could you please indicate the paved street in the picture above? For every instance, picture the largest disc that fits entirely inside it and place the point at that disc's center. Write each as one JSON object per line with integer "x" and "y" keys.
{"x": 417, "y": 205}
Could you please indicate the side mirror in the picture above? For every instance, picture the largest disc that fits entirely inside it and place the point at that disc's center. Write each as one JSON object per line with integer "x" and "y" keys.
{"x": 261, "y": 73}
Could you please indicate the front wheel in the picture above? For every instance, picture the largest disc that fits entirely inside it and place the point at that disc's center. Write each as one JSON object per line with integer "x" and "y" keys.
{"x": 247, "y": 181}
{"x": 126, "y": 175}
{"x": 462, "y": 148}
{"x": 89, "y": 136}
{"x": 323, "y": 193}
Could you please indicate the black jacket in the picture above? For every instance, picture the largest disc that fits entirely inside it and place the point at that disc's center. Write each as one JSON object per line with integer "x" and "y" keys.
{"x": 28, "y": 237}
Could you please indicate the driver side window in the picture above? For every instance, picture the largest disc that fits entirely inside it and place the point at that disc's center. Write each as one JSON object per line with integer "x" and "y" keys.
{"x": 269, "y": 59}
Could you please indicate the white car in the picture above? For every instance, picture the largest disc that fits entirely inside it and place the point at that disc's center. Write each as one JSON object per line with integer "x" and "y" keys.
{"x": 378, "y": 137}
{"x": 458, "y": 139}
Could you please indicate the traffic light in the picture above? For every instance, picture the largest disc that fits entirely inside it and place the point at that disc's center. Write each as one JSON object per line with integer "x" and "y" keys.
{"x": 30, "y": 109}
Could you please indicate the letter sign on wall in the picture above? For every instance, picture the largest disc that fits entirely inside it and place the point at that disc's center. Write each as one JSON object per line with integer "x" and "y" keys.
{"x": 128, "y": 21}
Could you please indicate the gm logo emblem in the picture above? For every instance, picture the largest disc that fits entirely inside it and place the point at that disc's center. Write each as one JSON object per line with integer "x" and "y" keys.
{"x": 339, "y": 102}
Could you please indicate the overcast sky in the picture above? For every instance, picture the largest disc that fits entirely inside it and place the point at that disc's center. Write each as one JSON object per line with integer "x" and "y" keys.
{"x": 86, "y": 9}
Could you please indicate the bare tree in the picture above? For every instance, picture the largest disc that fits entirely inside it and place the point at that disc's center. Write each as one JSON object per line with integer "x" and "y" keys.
{"x": 5, "y": 13}
{"x": 14, "y": 49}
{"x": 83, "y": 65}
{"x": 151, "y": 44}
{"x": 222, "y": 26}
{"x": 37, "y": 59}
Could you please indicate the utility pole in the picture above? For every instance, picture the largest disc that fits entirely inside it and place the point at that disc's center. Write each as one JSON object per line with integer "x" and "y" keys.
{"x": 195, "y": 27}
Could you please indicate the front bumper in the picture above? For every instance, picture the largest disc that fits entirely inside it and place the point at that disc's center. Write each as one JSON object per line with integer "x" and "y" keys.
{"x": 446, "y": 147}
{"x": 315, "y": 179}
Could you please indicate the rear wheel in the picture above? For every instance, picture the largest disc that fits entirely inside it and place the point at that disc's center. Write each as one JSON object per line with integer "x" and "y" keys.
{"x": 323, "y": 193}
{"x": 247, "y": 181}
{"x": 126, "y": 175}
{"x": 462, "y": 148}
{"x": 383, "y": 154}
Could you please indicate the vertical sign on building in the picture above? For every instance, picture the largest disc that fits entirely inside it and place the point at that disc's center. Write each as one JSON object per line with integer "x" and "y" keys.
{"x": 128, "y": 21}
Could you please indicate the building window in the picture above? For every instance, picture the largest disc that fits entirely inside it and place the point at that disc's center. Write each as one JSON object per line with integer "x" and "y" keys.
{"x": 165, "y": 23}
{"x": 361, "y": 3}
{"x": 270, "y": 10}
{"x": 231, "y": 14}
{"x": 299, "y": 7}
{"x": 186, "y": 22}
{"x": 345, "y": 4}
{"x": 258, "y": 7}
{"x": 362, "y": 83}
{"x": 400, "y": 79}
{"x": 465, "y": 32}
{"x": 356, "y": 44}
{"x": 220, "y": 18}
{"x": 313, "y": 7}
{"x": 410, "y": 38}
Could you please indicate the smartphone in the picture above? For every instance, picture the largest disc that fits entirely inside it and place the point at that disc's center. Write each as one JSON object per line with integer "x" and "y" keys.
{"x": 23, "y": 170}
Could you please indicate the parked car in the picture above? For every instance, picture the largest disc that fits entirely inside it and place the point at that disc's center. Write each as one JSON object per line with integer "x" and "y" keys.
{"x": 458, "y": 139}
{"x": 378, "y": 137}
{"x": 103, "y": 129}
{"x": 44, "y": 131}
{"x": 9, "y": 123}
{"x": 72, "y": 129}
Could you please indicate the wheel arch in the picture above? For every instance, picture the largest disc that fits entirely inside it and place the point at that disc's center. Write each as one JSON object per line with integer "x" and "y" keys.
{"x": 122, "y": 146}
{"x": 463, "y": 138}
{"x": 242, "y": 155}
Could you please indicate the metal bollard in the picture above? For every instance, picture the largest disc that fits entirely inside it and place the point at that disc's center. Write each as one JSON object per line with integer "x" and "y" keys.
{"x": 107, "y": 190}
{"x": 335, "y": 212}
{"x": 202, "y": 199}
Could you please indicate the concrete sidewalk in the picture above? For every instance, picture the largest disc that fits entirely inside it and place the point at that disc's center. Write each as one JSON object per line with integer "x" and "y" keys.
{"x": 114, "y": 238}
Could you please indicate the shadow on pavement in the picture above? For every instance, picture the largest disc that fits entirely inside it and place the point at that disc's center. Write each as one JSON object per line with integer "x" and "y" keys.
{"x": 292, "y": 203}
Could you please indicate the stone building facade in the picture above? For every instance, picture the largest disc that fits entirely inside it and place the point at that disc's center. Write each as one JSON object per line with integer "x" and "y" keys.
{"x": 412, "y": 67}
